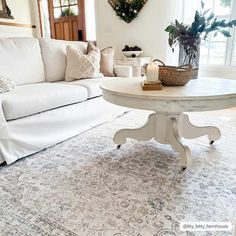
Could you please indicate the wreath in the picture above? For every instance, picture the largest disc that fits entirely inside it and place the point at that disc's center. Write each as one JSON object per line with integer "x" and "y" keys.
{"x": 127, "y": 10}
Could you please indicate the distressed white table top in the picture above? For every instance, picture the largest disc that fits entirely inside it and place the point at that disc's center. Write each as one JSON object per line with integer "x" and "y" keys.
{"x": 203, "y": 94}
{"x": 202, "y": 88}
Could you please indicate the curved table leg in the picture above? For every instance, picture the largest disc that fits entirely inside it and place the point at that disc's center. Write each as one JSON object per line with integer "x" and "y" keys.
{"x": 177, "y": 144}
{"x": 168, "y": 129}
{"x": 144, "y": 133}
{"x": 190, "y": 131}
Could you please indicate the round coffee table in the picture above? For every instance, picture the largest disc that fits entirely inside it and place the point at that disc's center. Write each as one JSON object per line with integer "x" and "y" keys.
{"x": 168, "y": 124}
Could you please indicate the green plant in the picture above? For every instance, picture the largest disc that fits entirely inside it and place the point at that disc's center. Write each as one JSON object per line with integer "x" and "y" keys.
{"x": 189, "y": 36}
{"x": 67, "y": 12}
{"x": 225, "y": 3}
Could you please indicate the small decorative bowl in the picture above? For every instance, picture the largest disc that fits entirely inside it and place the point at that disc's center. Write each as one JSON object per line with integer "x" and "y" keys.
{"x": 132, "y": 53}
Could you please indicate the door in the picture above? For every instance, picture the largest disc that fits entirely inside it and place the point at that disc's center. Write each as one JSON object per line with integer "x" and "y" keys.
{"x": 67, "y": 19}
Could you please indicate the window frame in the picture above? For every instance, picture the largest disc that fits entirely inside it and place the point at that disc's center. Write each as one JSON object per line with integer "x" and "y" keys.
{"x": 231, "y": 41}
{"x": 69, "y": 5}
{"x": 233, "y": 38}
{"x": 230, "y": 44}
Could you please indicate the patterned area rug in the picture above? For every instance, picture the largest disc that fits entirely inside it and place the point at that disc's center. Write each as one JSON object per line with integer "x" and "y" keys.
{"x": 86, "y": 187}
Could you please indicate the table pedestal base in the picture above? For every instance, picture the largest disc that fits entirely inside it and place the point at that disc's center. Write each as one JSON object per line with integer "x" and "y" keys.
{"x": 169, "y": 129}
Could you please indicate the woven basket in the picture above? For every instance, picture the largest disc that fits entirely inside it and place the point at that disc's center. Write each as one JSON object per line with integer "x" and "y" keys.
{"x": 174, "y": 76}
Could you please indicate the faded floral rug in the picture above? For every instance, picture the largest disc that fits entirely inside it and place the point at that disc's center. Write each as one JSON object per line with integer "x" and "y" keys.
{"x": 86, "y": 187}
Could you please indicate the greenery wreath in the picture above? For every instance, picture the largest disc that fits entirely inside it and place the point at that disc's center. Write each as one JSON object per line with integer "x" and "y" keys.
{"x": 127, "y": 10}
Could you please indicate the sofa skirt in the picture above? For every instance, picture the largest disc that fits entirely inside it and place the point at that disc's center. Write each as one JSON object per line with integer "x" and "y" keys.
{"x": 22, "y": 137}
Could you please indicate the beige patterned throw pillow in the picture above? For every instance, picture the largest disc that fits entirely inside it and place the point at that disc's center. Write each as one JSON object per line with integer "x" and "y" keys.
{"x": 107, "y": 59}
{"x": 107, "y": 62}
{"x": 81, "y": 66}
{"x": 6, "y": 84}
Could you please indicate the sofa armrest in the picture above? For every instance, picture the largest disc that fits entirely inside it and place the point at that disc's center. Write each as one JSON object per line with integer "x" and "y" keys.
{"x": 3, "y": 121}
{"x": 123, "y": 71}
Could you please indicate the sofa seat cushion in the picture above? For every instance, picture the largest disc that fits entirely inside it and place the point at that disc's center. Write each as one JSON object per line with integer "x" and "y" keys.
{"x": 30, "y": 99}
{"x": 92, "y": 85}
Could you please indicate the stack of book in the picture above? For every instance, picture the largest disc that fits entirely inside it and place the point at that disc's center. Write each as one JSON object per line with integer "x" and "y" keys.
{"x": 147, "y": 86}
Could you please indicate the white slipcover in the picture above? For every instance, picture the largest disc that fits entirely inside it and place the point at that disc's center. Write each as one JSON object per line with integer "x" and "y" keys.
{"x": 54, "y": 57}
{"x": 22, "y": 137}
{"x": 29, "y": 121}
{"x": 21, "y": 61}
{"x": 123, "y": 71}
{"x": 30, "y": 99}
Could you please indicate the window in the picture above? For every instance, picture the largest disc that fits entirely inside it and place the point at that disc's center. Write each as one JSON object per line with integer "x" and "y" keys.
{"x": 215, "y": 51}
{"x": 234, "y": 51}
{"x": 65, "y": 8}
{"x": 220, "y": 51}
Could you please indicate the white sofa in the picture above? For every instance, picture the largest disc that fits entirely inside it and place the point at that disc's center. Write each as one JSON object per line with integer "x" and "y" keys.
{"x": 43, "y": 109}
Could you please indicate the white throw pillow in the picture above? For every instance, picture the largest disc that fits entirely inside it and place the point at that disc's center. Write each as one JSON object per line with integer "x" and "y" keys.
{"x": 6, "y": 84}
{"x": 81, "y": 66}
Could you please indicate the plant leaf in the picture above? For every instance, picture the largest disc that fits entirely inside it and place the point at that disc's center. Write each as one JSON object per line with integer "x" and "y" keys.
{"x": 225, "y": 33}
{"x": 233, "y": 22}
{"x": 197, "y": 16}
{"x": 169, "y": 28}
{"x": 178, "y": 25}
{"x": 202, "y": 4}
{"x": 202, "y": 28}
{"x": 170, "y": 40}
{"x": 211, "y": 16}
{"x": 194, "y": 28}
{"x": 205, "y": 12}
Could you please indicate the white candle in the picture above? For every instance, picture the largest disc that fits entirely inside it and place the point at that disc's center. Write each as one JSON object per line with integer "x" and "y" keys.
{"x": 152, "y": 73}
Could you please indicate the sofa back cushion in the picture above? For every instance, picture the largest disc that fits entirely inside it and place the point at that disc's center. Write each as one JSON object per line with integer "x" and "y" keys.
{"x": 21, "y": 60}
{"x": 54, "y": 57}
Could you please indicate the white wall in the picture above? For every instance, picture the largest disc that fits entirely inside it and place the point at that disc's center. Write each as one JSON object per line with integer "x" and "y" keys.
{"x": 23, "y": 12}
{"x": 90, "y": 20}
{"x": 146, "y": 31}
